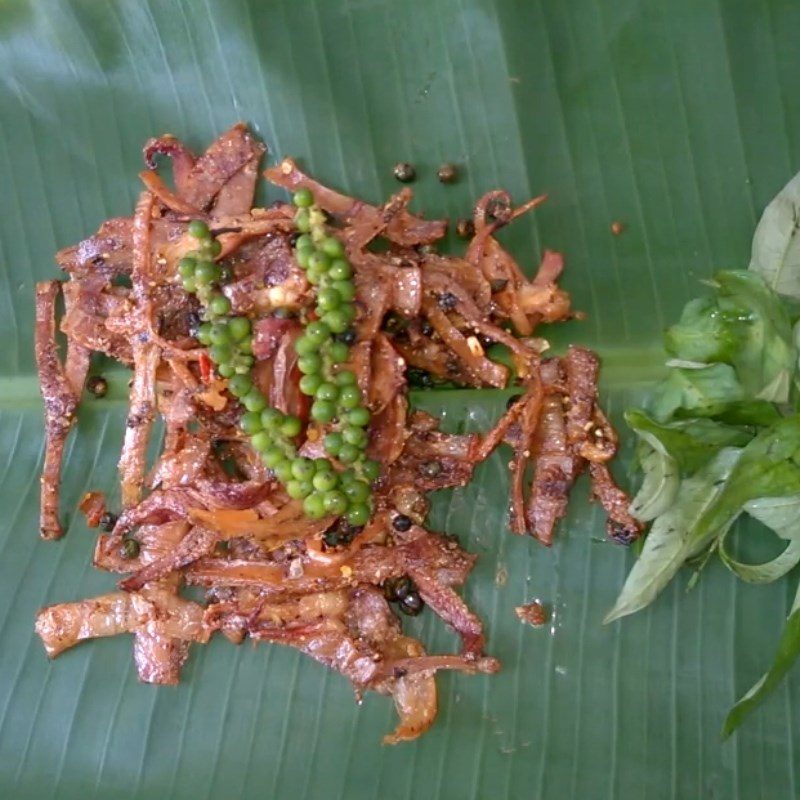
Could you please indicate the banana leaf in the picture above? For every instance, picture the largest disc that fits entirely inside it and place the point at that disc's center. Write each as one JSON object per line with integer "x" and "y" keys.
{"x": 677, "y": 119}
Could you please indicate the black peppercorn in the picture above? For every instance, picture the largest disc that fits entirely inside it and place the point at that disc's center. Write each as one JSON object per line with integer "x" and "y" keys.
{"x": 108, "y": 521}
{"x": 394, "y": 323}
{"x": 465, "y": 228}
{"x": 97, "y": 385}
{"x": 193, "y": 322}
{"x": 426, "y": 329}
{"x": 404, "y": 172}
{"x": 419, "y": 377}
{"x": 412, "y": 604}
{"x": 401, "y": 523}
{"x": 331, "y": 537}
{"x": 348, "y": 337}
{"x": 430, "y": 469}
{"x": 513, "y": 400}
{"x": 447, "y": 301}
{"x": 498, "y": 285}
{"x": 447, "y": 173}
{"x": 403, "y": 586}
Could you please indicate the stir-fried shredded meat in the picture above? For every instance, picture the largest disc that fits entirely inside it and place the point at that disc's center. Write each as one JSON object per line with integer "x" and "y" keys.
{"x": 210, "y": 514}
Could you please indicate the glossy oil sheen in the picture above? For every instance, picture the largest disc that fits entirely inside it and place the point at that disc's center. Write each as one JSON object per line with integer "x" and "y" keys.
{"x": 680, "y": 119}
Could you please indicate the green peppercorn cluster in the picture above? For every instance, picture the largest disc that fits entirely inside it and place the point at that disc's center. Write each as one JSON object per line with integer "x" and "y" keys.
{"x": 322, "y": 349}
{"x": 230, "y": 347}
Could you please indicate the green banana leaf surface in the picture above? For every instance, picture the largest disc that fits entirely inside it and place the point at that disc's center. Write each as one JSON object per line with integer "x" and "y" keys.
{"x": 678, "y": 119}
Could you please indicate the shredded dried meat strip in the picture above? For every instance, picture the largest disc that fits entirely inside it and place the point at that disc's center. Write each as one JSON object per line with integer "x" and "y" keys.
{"x": 621, "y": 526}
{"x": 60, "y": 404}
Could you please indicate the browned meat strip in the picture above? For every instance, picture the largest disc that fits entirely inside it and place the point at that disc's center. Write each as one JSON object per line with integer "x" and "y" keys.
{"x": 60, "y": 405}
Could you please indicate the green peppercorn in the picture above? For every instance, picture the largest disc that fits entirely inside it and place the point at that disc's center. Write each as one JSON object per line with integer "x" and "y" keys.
{"x": 346, "y": 290}
{"x": 325, "y": 481}
{"x": 272, "y": 456}
{"x": 240, "y": 385}
{"x": 254, "y": 400}
{"x": 346, "y": 377}
{"x": 328, "y": 300}
{"x": 323, "y": 411}
{"x": 198, "y": 229}
{"x": 250, "y": 422}
{"x": 310, "y": 364}
{"x": 370, "y": 469}
{"x": 261, "y": 441}
{"x": 290, "y": 427}
{"x": 310, "y": 383}
{"x": 211, "y": 247}
{"x": 220, "y": 353}
{"x": 334, "y": 502}
{"x": 314, "y": 276}
{"x": 283, "y": 471}
{"x": 303, "y": 257}
{"x": 314, "y": 505}
{"x": 327, "y": 391}
{"x": 340, "y": 270}
{"x": 333, "y": 443}
{"x": 219, "y": 333}
{"x": 358, "y": 515}
{"x": 318, "y": 332}
{"x": 239, "y": 328}
{"x": 355, "y": 436}
{"x": 302, "y": 220}
{"x": 305, "y": 346}
{"x": 303, "y": 198}
{"x": 204, "y": 334}
{"x": 338, "y": 352}
{"x": 337, "y": 320}
{"x": 304, "y": 242}
{"x": 357, "y": 491}
{"x": 271, "y": 418}
{"x": 319, "y": 262}
{"x": 219, "y": 305}
{"x": 186, "y": 267}
{"x": 303, "y": 469}
{"x": 349, "y": 397}
{"x": 359, "y": 416}
{"x": 205, "y": 273}
{"x": 297, "y": 489}
{"x": 348, "y": 453}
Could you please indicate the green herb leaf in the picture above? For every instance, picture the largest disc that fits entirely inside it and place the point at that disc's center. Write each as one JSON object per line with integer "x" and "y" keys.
{"x": 690, "y": 442}
{"x": 660, "y": 483}
{"x": 769, "y": 467}
{"x": 776, "y": 244}
{"x": 765, "y": 360}
{"x": 673, "y": 537}
{"x": 788, "y": 650}
{"x": 705, "y": 333}
{"x": 745, "y": 325}
{"x": 782, "y": 515}
{"x": 702, "y": 392}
